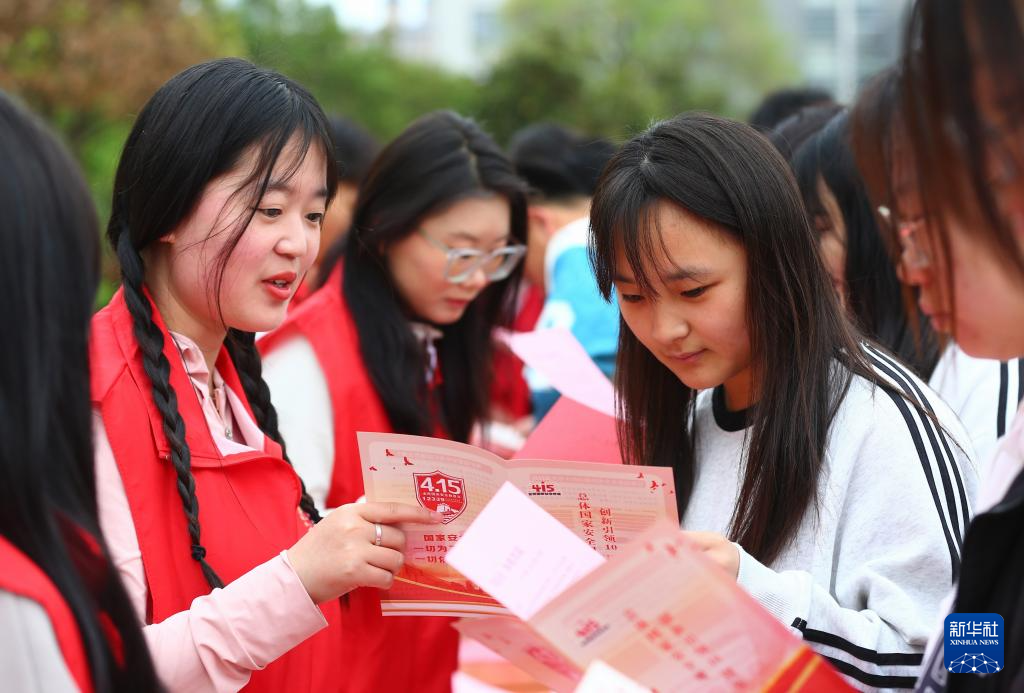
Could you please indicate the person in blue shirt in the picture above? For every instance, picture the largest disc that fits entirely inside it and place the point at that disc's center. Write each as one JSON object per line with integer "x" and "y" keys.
{"x": 562, "y": 168}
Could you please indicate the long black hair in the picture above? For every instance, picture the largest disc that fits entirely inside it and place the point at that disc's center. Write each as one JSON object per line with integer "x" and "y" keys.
{"x": 725, "y": 172}
{"x": 440, "y": 159}
{"x": 944, "y": 123}
{"x": 874, "y": 292}
{"x": 196, "y": 127}
{"x": 49, "y": 254}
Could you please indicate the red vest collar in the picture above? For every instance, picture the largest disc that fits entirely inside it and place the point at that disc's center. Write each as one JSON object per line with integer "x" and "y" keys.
{"x": 200, "y": 441}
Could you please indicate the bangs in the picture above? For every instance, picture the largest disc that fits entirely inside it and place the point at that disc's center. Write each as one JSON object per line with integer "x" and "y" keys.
{"x": 266, "y": 154}
{"x": 951, "y": 131}
{"x": 642, "y": 242}
{"x": 623, "y": 217}
{"x": 306, "y": 133}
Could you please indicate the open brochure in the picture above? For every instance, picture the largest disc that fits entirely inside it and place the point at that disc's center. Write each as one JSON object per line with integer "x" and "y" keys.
{"x": 658, "y": 612}
{"x": 604, "y": 506}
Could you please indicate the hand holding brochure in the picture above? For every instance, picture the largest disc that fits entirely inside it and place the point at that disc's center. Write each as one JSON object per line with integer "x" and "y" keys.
{"x": 658, "y": 612}
{"x": 604, "y": 505}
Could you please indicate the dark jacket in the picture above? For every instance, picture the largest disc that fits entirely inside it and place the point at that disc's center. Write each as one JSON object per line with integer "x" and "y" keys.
{"x": 991, "y": 581}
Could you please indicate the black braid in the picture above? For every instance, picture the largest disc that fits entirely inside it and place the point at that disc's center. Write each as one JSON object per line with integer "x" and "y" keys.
{"x": 242, "y": 347}
{"x": 158, "y": 368}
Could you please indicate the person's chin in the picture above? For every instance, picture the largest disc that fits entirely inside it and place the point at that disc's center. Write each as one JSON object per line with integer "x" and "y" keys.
{"x": 448, "y": 313}
{"x": 265, "y": 321}
{"x": 696, "y": 378}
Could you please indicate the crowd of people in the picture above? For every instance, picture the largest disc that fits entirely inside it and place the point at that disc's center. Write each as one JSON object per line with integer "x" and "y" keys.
{"x": 816, "y": 319}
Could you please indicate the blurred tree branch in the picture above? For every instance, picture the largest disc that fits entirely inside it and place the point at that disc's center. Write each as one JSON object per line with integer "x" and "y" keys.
{"x": 80, "y": 63}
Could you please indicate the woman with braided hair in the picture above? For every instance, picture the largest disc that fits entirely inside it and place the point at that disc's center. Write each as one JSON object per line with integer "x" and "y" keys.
{"x": 218, "y": 201}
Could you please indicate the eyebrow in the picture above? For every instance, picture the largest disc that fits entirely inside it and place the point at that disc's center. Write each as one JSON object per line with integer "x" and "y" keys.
{"x": 286, "y": 187}
{"x": 467, "y": 236}
{"x": 680, "y": 273}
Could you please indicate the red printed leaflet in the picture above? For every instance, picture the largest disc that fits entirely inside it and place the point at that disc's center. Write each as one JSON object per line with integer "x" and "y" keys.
{"x": 606, "y": 505}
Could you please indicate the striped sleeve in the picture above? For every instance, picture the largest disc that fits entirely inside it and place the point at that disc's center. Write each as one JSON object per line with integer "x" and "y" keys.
{"x": 907, "y": 484}
{"x": 939, "y": 444}
{"x": 1011, "y": 393}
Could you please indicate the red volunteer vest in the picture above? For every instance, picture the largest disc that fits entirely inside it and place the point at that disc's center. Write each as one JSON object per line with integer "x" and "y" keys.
{"x": 23, "y": 577}
{"x": 509, "y": 392}
{"x": 248, "y": 502}
{"x": 392, "y": 653}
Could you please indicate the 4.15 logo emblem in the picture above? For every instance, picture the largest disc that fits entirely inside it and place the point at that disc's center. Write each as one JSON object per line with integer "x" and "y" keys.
{"x": 441, "y": 493}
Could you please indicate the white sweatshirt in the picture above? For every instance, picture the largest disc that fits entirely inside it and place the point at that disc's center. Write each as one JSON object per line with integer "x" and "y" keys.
{"x": 863, "y": 577}
{"x": 984, "y": 393}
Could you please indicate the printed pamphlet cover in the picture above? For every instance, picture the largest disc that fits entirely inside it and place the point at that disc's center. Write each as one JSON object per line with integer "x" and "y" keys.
{"x": 605, "y": 505}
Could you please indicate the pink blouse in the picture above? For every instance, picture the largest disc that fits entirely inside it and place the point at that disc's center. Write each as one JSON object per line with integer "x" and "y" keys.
{"x": 231, "y": 632}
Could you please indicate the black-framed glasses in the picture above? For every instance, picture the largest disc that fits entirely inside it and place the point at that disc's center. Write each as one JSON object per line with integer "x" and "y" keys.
{"x": 497, "y": 264}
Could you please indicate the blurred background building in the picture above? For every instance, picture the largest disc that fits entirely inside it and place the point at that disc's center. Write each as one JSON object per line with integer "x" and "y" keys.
{"x": 463, "y": 36}
{"x": 837, "y": 44}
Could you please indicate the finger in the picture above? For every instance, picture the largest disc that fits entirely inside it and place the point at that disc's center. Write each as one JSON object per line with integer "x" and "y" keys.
{"x": 394, "y": 513}
{"x": 391, "y": 537}
{"x": 385, "y": 559}
{"x": 704, "y": 540}
{"x": 372, "y": 576}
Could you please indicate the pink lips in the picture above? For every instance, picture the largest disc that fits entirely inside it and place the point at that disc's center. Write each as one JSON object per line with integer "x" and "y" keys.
{"x": 288, "y": 277}
{"x": 687, "y": 357}
{"x": 280, "y": 285}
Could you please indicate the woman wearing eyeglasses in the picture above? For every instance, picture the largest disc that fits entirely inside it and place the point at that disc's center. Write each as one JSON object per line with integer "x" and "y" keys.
{"x": 985, "y": 393}
{"x": 398, "y": 339}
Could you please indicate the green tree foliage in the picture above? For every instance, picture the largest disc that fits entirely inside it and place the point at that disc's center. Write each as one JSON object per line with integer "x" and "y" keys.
{"x": 357, "y": 77}
{"x": 87, "y": 66}
{"x": 80, "y": 63}
{"x": 612, "y": 66}
{"x": 605, "y": 66}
